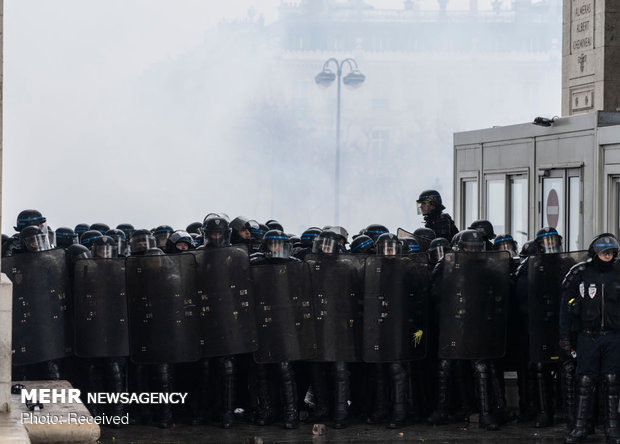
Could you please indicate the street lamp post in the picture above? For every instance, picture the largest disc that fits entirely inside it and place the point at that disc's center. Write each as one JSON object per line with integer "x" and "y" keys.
{"x": 353, "y": 79}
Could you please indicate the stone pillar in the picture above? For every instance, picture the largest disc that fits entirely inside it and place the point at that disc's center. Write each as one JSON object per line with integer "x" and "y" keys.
{"x": 590, "y": 56}
{"x": 6, "y": 294}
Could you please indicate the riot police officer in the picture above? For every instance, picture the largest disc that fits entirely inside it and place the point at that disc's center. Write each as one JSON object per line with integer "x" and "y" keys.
{"x": 431, "y": 207}
{"x": 276, "y": 250}
{"x": 590, "y": 326}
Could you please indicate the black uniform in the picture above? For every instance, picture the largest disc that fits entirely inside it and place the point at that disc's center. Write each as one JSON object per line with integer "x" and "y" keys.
{"x": 590, "y": 323}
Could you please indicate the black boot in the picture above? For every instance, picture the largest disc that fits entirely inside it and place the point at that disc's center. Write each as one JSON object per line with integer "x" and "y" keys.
{"x": 94, "y": 382}
{"x": 502, "y": 413}
{"x": 380, "y": 409}
{"x": 568, "y": 389}
{"x": 399, "y": 411}
{"x": 53, "y": 370}
{"x": 200, "y": 394}
{"x": 584, "y": 400}
{"x": 440, "y": 416}
{"x": 543, "y": 415}
{"x": 289, "y": 396}
{"x": 341, "y": 396}
{"x": 487, "y": 420}
{"x": 163, "y": 382}
{"x": 228, "y": 372}
{"x": 319, "y": 392}
{"x": 611, "y": 420}
{"x": 264, "y": 414}
{"x": 115, "y": 368}
{"x": 524, "y": 385}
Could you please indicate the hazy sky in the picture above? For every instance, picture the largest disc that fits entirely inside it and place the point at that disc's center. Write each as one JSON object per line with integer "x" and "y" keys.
{"x": 97, "y": 127}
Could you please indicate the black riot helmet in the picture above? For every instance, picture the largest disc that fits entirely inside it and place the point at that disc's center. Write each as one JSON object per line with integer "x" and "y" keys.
{"x": 328, "y": 242}
{"x": 410, "y": 245}
{"x": 65, "y": 236}
{"x": 28, "y": 218}
{"x": 548, "y": 240}
{"x": 194, "y": 227}
{"x": 293, "y": 239}
{"x": 505, "y": 242}
{"x": 104, "y": 247}
{"x": 161, "y": 234}
{"x": 241, "y": 230}
{"x": 424, "y": 236}
{"x": 216, "y": 230}
{"x": 485, "y": 227}
{"x": 429, "y": 201}
{"x": 276, "y": 244}
{"x": 128, "y": 229}
{"x": 362, "y": 244}
{"x": 308, "y": 236}
{"x": 120, "y": 239}
{"x": 375, "y": 230}
{"x": 438, "y": 249}
{"x": 274, "y": 225}
{"x": 179, "y": 241}
{"x": 257, "y": 233}
{"x": 81, "y": 229}
{"x": 34, "y": 239}
{"x": 454, "y": 242}
{"x": 87, "y": 237}
{"x": 342, "y": 233}
{"x": 388, "y": 244}
{"x": 603, "y": 243}
{"x": 141, "y": 241}
{"x": 77, "y": 251}
{"x": 529, "y": 248}
{"x": 102, "y": 228}
{"x": 471, "y": 241}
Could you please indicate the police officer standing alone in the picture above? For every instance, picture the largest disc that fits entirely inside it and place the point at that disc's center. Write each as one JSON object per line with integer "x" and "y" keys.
{"x": 590, "y": 312}
{"x": 430, "y": 205}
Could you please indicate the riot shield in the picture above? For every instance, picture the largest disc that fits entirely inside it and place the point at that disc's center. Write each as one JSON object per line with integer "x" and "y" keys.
{"x": 100, "y": 308}
{"x": 228, "y": 323}
{"x": 40, "y": 288}
{"x": 472, "y": 312}
{"x": 545, "y": 273}
{"x": 164, "y": 326}
{"x": 395, "y": 308}
{"x": 334, "y": 285}
{"x": 404, "y": 234}
{"x": 285, "y": 325}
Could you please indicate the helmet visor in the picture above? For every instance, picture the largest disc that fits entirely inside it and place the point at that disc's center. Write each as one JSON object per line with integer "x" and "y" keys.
{"x": 142, "y": 242}
{"x": 104, "y": 251}
{"x": 550, "y": 244}
{"x": 389, "y": 248}
{"x": 161, "y": 238}
{"x": 278, "y": 248}
{"x": 472, "y": 247}
{"x": 37, "y": 242}
{"x": 437, "y": 253}
{"x": 508, "y": 246}
{"x": 218, "y": 238}
{"x": 606, "y": 244}
{"x": 325, "y": 245}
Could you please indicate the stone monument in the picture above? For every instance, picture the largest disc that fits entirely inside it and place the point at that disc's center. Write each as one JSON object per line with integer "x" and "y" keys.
{"x": 590, "y": 56}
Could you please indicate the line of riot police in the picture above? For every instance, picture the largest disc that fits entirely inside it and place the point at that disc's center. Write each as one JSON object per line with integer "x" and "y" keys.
{"x": 272, "y": 324}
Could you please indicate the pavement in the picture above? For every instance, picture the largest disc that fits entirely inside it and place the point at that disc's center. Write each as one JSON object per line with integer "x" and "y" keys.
{"x": 356, "y": 432}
